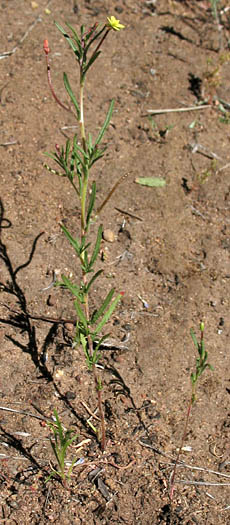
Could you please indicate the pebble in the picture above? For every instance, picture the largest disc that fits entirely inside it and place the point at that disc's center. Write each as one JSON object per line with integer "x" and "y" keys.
{"x": 69, "y": 327}
{"x": 70, "y": 395}
{"x": 108, "y": 235}
{"x": 50, "y": 301}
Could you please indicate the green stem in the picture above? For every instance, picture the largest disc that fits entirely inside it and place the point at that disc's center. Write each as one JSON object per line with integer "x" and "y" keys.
{"x": 82, "y": 122}
{"x": 83, "y": 232}
{"x": 83, "y": 201}
{"x": 83, "y": 140}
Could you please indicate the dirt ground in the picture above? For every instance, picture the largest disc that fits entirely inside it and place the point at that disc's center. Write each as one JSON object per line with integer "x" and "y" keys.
{"x": 171, "y": 249}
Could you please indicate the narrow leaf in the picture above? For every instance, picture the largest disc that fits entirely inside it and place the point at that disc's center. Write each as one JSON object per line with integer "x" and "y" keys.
{"x": 96, "y": 247}
{"x": 81, "y": 315}
{"x": 51, "y": 475}
{"x": 55, "y": 452}
{"x": 91, "y": 61}
{"x": 90, "y": 145}
{"x": 194, "y": 339}
{"x": 71, "y": 467}
{"x": 203, "y": 353}
{"x": 67, "y": 149}
{"x": 76, "y": 37}
{"x": 72, "y": 241}
{"x": 83, "y": 341}
{"x": 96, "y": 275}
{"x": 73, "y": 288}
{"x": 56, "y": 159}
{"x": 153, "y": 182}
{"x": 70, "y": 42}
{"x": 71, "y": 94}
{"x": 59, "y": 425}
{"x": 85, "y": 155}
{"x": 101, "y": 340}
{"x": 106, "y": 123}
{"x": 94, "y": 38}
{"x": 107, "y": 315}
{"x": 95, "y": 356}
{"x": 84, "y": 248}
{"x": 91, "y": 203}
{"x": 77, "y": 157}
{"x": 103, "y": 307}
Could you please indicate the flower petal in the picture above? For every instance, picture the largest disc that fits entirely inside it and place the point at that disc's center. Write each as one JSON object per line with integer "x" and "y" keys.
{"x": 114, "y": 24}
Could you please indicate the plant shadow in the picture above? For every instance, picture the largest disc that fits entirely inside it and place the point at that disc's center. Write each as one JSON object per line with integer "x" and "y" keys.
{"x": 22, "y": 320}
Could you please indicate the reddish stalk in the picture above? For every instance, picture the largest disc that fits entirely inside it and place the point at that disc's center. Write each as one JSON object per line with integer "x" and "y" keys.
{"x": 47, "y": 50}
{"x": 172, "y": 483}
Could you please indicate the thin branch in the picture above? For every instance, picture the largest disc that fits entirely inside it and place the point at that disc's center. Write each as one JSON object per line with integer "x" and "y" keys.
{"x": 203, "y": 469}
{"x": 7, "y": 54}
{"x": 9, "y": 143}
{"x": 23, "y": 413}
{"x": 177, "y": 110}
{"x": 204, "y": 483}
{"x": 128, "y": 213}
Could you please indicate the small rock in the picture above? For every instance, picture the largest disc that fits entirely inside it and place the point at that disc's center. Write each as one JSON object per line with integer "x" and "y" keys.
{"x": 127, "y": 327}
{"x": 50, "y": 301}
{"x": 69, "y": 327}
{"x": 59, "y": 374}
{"x": 13, "y": 504}
{"x": 108, "y": 235}
{"x": 119, "y": 9}
{"x": 70, "y": 395}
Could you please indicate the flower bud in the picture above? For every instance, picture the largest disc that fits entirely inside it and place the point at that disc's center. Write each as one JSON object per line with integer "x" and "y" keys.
{"x": 46, "y": 46}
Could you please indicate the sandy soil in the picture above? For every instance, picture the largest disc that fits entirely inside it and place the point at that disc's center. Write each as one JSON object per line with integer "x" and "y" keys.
{"x": 171, "y": 248}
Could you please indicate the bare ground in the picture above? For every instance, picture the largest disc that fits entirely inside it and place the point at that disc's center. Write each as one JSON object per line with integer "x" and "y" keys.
{"x": 171, "y": 248}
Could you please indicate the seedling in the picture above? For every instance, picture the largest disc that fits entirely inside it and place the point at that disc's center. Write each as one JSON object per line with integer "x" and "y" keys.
{"x": 62, "y": 441}
{"x": 159, "y": 133}
{"x": 215, "y": 9}
{"x": 201, "y": 365}
{"x": 206, "y": 174}
{"x": 75, "y": 161}
{"x": 216, "y": 16}
{"x": 225, "y": 118}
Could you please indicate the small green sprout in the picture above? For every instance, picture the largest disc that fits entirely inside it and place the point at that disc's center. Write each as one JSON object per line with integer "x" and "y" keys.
{"x": 62, "y": 440}
{"x": 201, "y": 361}
{"x": 217, "y": 17}
{"x": 214, "y": 9}
{"x": 201, "y": 365}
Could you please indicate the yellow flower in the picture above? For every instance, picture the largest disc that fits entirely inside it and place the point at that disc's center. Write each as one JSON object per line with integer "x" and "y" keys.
{"x": 113, "y": 23}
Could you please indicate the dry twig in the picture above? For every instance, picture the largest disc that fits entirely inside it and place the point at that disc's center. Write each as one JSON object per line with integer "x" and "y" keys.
{"x": 177, "y": 110}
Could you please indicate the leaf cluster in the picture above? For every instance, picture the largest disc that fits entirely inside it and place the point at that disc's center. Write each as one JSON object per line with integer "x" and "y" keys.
{"x": 98, "y": 319}
{"x": 62, "y": 440}
{"x": 81, "y": 44}
{"x": 201, "y": 361}
{"x": 75, "y": 162}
